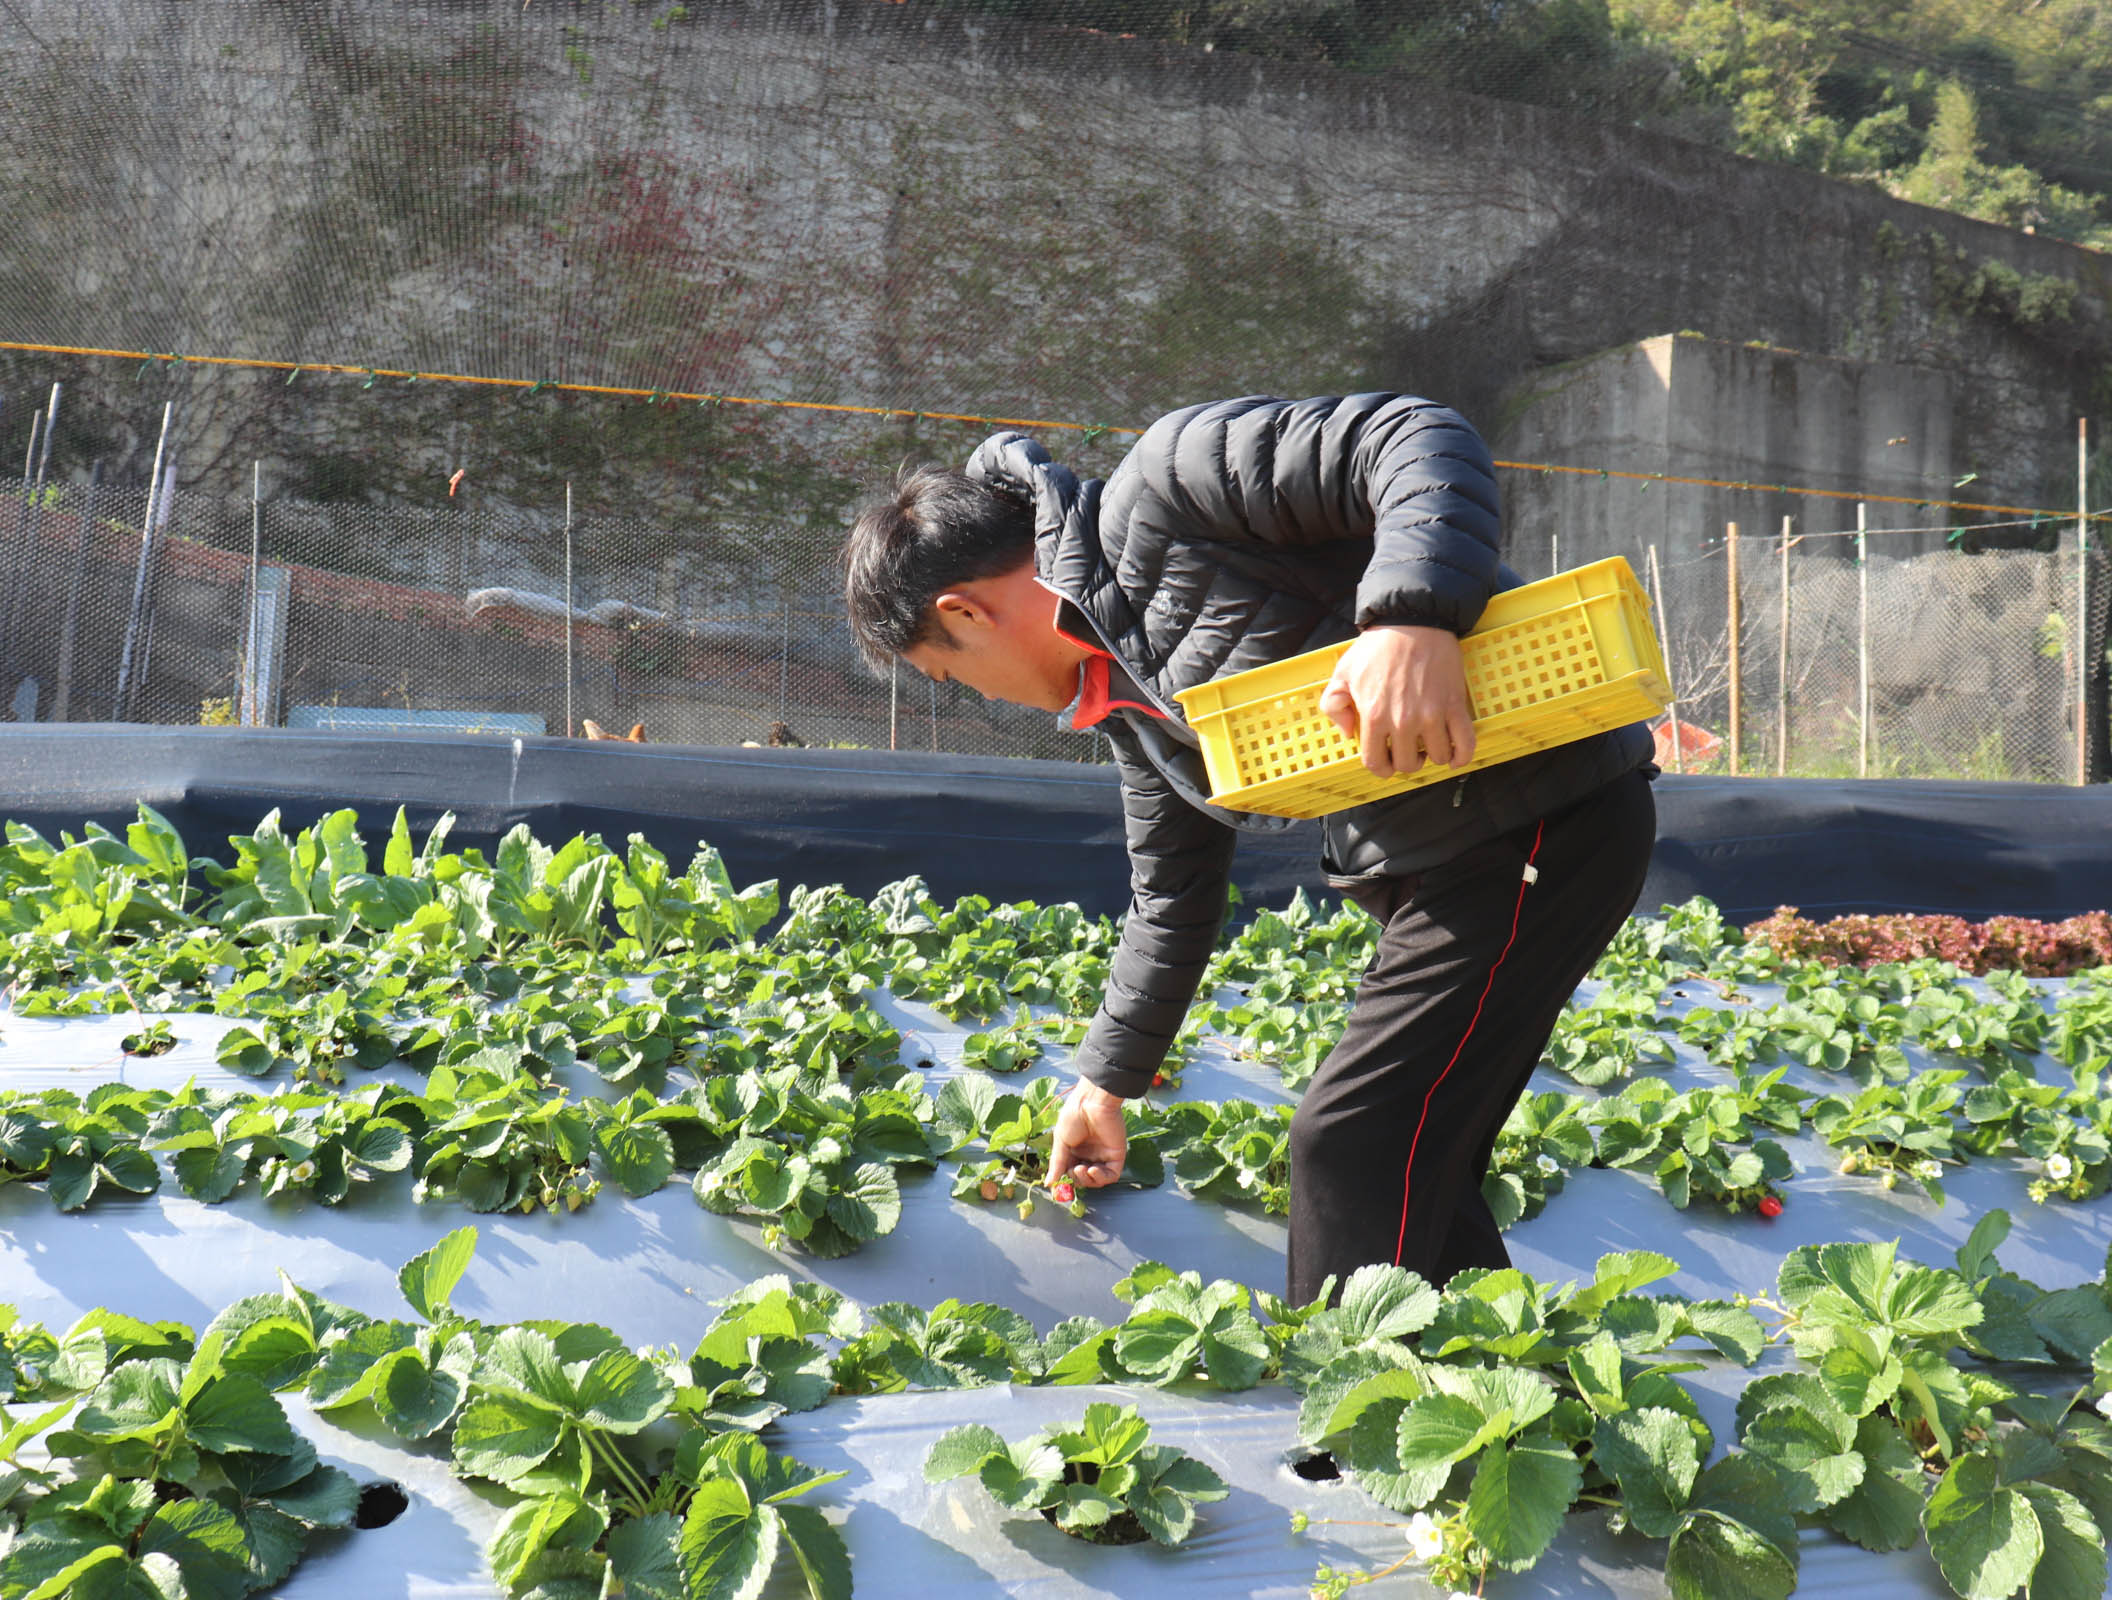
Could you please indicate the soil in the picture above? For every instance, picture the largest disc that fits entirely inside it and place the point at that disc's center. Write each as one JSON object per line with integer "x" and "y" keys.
{"x": 1122, "y": 1528}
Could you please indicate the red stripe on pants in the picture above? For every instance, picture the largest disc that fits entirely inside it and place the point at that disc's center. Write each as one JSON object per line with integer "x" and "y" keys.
{"x": 1525, "y": 881}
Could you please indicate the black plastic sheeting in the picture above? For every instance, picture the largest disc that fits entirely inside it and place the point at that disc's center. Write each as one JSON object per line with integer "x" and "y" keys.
{"x": 1039, "y": 830}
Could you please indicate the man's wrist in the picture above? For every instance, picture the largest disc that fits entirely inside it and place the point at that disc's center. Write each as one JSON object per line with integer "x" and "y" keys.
{"x": 1091, "y": 1094}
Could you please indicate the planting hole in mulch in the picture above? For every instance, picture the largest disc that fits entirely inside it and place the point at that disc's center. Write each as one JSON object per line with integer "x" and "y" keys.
{"x": 379, "y": 1505}
{"x": 1319, "y": 1467}
{"x": 1122, "y": 1528}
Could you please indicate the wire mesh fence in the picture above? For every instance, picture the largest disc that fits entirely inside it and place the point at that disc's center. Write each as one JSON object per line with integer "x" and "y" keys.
{"x": 291, "y": 614}
{"x": 182, "y": 608}
{"x": 1985, "y": 665}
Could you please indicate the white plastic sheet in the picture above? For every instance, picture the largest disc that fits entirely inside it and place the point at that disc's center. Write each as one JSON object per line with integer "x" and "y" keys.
{"x": 649, "y": 1269}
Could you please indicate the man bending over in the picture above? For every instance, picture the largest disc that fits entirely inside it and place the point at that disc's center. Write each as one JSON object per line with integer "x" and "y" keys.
{"x": 1233, "y": 535}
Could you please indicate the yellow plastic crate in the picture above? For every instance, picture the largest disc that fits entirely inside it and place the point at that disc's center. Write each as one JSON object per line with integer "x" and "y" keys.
{"x": 1549, "y": 662}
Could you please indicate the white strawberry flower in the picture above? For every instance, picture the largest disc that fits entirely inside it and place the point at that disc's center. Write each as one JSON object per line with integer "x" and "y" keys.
{"x": 304, "y": 1173}
{"x": 1928, "y": 1169}
{"x": 2059, "y": 1168}
{"x": 2104, "y": 1406}
{"x": 1426, "y": 1540}
{"x": 1547, "y": 1164}
{"x": 1956, "y": 1042}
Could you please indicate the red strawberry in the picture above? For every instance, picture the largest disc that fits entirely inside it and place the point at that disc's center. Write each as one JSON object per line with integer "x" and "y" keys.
{"x": 1062, "y": 1192}
{"x": 988, "y": 1189}
{"x": 1158, "y": 1080}
{"x": 1770, "y": 1206}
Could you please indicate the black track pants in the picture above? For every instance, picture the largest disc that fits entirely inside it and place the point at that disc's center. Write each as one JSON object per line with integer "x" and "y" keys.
{"x": 1475, "y": 962}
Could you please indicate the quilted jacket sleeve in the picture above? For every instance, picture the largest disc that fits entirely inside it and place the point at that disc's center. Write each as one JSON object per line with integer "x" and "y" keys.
{"x": 1406, "y": 473}
{"x": 1180, "y": 862}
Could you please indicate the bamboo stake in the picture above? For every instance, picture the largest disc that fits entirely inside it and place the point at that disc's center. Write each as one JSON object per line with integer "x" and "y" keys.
{"x": 1664, "y": 633}
{"x": 1737, "y": 662}
{"x": 1782, "y": 663}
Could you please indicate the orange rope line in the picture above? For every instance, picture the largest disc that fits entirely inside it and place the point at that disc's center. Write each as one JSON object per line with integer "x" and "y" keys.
{"x": 294, "y": 368}
{"x": 1091, "y": 430}
{"x": 2068, "y": 515}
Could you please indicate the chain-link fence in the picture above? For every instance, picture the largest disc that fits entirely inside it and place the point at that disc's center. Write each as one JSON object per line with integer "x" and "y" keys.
{"x": 276, "y": 612}
{"x": 1952, "y": 664}
{"x": 285, "y": 613}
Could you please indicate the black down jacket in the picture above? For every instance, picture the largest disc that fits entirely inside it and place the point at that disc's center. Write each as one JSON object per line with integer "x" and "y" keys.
{"x": 1235, "y": 534}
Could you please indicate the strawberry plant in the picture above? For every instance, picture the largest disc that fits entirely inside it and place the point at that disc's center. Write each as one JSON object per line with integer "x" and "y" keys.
{"x": 1609, "y": 1038}
{"x": 1102, "y": 1480}
{"x": 1702, "y": 1142}
{"x": 1890, "y": 1131}
{"x": 1014, "y": 1131}
{"x": 497, "y": 1143}
{"x": 173, "y": 1467}
{"x": 1015, "y": 1046}
{"x": 1231, "y": 1151}
{"x": 953, "y": 1345}
{"x": 813, "y": 1157}
{"x": 79, "y": 1146}
{"x": 319, "y": 1143}
{"x": 1545, "y": 1135}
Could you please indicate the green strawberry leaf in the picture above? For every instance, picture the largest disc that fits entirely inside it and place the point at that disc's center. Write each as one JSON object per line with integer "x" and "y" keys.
{"x": 960, "y": 1451}
{"x": 1520, "y": 1493}
{"x": 502, "y": 1435}
{"x": 1985, "y": 1537}
{"x": 645, "y": 1557}
{"x": 728, "y": 1544}
{"x": 429, "y": 1278}
{"x": 640, "y": 1156}
{"x": 1651, "y": 1455}
{"x": 819, "y": 1551}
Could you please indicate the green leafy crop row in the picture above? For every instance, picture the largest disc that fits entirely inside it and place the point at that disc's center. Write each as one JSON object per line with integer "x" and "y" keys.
{"x": 1904, "y": 1403}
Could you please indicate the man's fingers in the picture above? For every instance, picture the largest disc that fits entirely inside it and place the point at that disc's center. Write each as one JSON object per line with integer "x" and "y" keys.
{"x": 1374, "y": 744}
{"x": 1337, "y": 705}
{"x": 1462, "y": 723}
{"x": 1437, "y": 743}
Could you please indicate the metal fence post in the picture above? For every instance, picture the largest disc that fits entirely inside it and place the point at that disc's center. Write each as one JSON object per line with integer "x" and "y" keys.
{"x": 69, "y": 630}
{"x": 252, "y": 713}
{"x": 1782, "y": 664}
{"x": 17, "y": 564}
{"x": 1664, "y": 633}
{"x": 1737, "y": 660}
{"x": 894, "y": 697}
{"x": 1862, "y": 638}
{"x": 136, "y": 621}
{"x": 570, "y": 725}
{"x": 2081, "y": 630}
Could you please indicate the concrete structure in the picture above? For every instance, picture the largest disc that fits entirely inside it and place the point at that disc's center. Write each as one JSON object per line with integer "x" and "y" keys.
{"x": 1682, "y": 406}
{"x": 899, "y": 206}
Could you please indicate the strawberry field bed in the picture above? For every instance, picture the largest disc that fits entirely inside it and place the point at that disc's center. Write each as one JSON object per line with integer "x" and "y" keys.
{"x": 753, "y": 1166}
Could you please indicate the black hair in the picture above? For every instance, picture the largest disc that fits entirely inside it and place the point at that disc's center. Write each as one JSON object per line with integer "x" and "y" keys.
{"x": 932, "y": 529}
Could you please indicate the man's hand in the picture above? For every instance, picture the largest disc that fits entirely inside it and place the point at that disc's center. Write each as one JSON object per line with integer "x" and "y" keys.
{"x": 1401, "y": 693}
{"x": 1090, "y": 1139}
